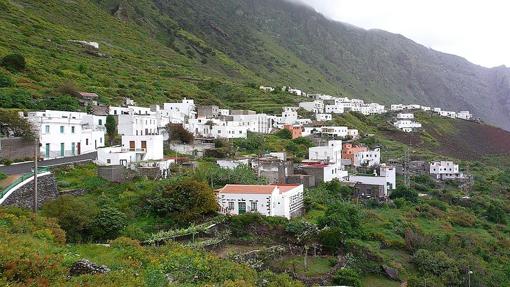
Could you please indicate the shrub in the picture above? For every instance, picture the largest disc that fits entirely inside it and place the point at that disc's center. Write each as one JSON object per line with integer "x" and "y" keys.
{"x": 73, "y": 214}
{"x": 183, "y": 201}
{"x": 284, "y": 134}
{"x": 14, "y": 62}
{"x": 2, "y": 176}
{"x": 495, "y": 213}
{"x": 5, "y": 81}
{"x": 346, "y": 218}
{"x": 347, "y": 277}
{"x": 108, "y": 223}
{"x": 406, "y": 193}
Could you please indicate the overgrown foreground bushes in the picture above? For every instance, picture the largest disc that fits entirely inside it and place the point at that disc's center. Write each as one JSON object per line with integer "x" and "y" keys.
{"x": 34, "y": 253}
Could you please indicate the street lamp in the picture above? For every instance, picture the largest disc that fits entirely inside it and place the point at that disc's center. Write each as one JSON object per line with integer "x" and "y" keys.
{"x": 469, "y": 277}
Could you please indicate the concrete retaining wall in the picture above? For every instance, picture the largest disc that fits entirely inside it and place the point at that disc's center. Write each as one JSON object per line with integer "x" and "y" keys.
{"x": 16, "y": 149}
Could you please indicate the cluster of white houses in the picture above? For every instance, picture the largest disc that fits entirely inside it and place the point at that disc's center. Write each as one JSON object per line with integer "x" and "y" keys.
{"x": 142, "y": 131}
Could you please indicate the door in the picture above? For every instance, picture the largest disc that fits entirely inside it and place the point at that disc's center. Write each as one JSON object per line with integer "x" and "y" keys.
{"x": 62, "y": 150}
{"x": 132, "y": 145}
{"x": 144, "y": 145}
{"x": 242, "y": 207}
{"x": 73, "y": 148}
{"x": 47, "y": 151}
{"x": 79, "y": 148}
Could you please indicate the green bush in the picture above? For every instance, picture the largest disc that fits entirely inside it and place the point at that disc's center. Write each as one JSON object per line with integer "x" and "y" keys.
{"x": 347, "y": 277}
{"x": 2, "y": 176}
{"x": 406, "y": 193}
{"x": 73, "y": 214}
{"x": 14, "y": 62}
{"x": 5, "y": 81}
{"x": 108, "y": 223}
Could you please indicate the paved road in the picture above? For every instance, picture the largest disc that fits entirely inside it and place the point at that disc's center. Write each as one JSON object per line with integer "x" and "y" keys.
{"x": 27, "y": 167}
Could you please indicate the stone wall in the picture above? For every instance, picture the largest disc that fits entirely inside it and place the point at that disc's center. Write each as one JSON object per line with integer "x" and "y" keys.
{"x": 16, "y": 149}
{"x": 115, "y": 173}
{"x": 23, "y": 197}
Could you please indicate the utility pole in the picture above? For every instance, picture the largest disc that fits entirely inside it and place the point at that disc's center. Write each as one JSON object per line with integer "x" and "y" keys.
{"x": 36, "y": 157}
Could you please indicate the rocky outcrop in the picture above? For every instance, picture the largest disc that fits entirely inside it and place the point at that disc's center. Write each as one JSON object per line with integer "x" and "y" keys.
{"x": 84, "y": 266}
{"x": 391, "y": 273}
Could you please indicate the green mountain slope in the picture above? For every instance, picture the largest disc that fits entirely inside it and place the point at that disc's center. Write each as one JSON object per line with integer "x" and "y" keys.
{"x": 218, "y": 51}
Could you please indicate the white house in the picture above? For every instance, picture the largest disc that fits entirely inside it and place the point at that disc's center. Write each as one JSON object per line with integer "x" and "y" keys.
{"x": 266, "y": 89}
{"x": 448, "y": 114}
{"x": 405, "y": 116}
{"x": 232, "y": 163}
{"x": 324, "y": 171}
{"x": 335, "y": 131}
{"x": 353, "y": 133}
{"x": 147, "y": 147}
{"x": 331, "y": 153}
{"x": 337, "y": 108}
{"x": 465, "y": 115}
{"x": 443, "y": 170}
{"x": 186, "y": 109}
{"x": 64, "y": 133}
{"x": 398, "y": 107}
{"x": 316, "y": 106}
{"x": 268, "y": 200}
{"x": 425, "y": 108}
{"x": 407, "y": 125}
{"x": 323, "y": 117}
{"x": 413, "y": 107}
{"x": 289, "y": 116}
{"x": 133, "y": 124}
{"x": 367, "y": 158}
{"x": 386, "y": 177}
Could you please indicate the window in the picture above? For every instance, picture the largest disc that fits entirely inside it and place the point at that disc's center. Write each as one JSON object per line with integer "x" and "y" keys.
{"x": 61, "y": 129}
{"x": 100, "y": 122}
{"x": 108, "y": 161}
{"x": 230, "y": 205}
{"x": 86, "y": 141}
{"x": 72, "y": 130}
{"x": 253, "y": 206}
{"x": 47, "y": 129}
{"x": 101, "y": 140}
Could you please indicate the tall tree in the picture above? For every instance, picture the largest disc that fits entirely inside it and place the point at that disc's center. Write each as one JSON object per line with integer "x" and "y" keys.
{"x": 111, "y": 128}
{"x": 12, "y": 124}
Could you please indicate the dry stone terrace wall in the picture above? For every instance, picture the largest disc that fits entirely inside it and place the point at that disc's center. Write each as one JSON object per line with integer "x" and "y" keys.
{"x": 23, "y": 197}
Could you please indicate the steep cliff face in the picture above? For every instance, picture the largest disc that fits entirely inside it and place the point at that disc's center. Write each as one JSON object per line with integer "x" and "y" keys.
{"x": 374, "y": 64}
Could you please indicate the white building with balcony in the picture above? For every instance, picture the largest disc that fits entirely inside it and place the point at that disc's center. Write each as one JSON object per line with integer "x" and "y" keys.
{"x": 268, "y": 200}
{"x": 443, "y": 170}
{"x": 335, "y": 131}
{"x": 63, "y": 134}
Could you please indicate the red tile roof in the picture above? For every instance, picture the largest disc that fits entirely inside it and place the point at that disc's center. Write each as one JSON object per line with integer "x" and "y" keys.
{"x": 255, "y": 189}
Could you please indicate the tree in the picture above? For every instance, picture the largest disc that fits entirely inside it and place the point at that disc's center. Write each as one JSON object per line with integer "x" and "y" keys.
{"x": 495, "y": 213}
{"x": 345, "y": 218}
{"x": 183, "y": 201}
{"x": 305, "y": 234}
{"x": 12, "y": 124}
{"x": 176, "y": 132}
{"x": 347, "y": 277}
{"x": 406, "y": 193}
{"x": 73, "y": 214}
{"x": 111, "y": 128}
{"x": 14, "y": 62}
{"x": 5, "y": 81}
{"x": 108, "y": 223}
{"x": 61, "y": 103}
{"x": 284, "y": 134}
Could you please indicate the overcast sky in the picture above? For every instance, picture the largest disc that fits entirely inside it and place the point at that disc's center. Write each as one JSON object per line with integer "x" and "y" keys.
{"x": 478, "y": 30}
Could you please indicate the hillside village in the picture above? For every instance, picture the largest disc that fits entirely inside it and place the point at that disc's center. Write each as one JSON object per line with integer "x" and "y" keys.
{"x": 145, "y": 137}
